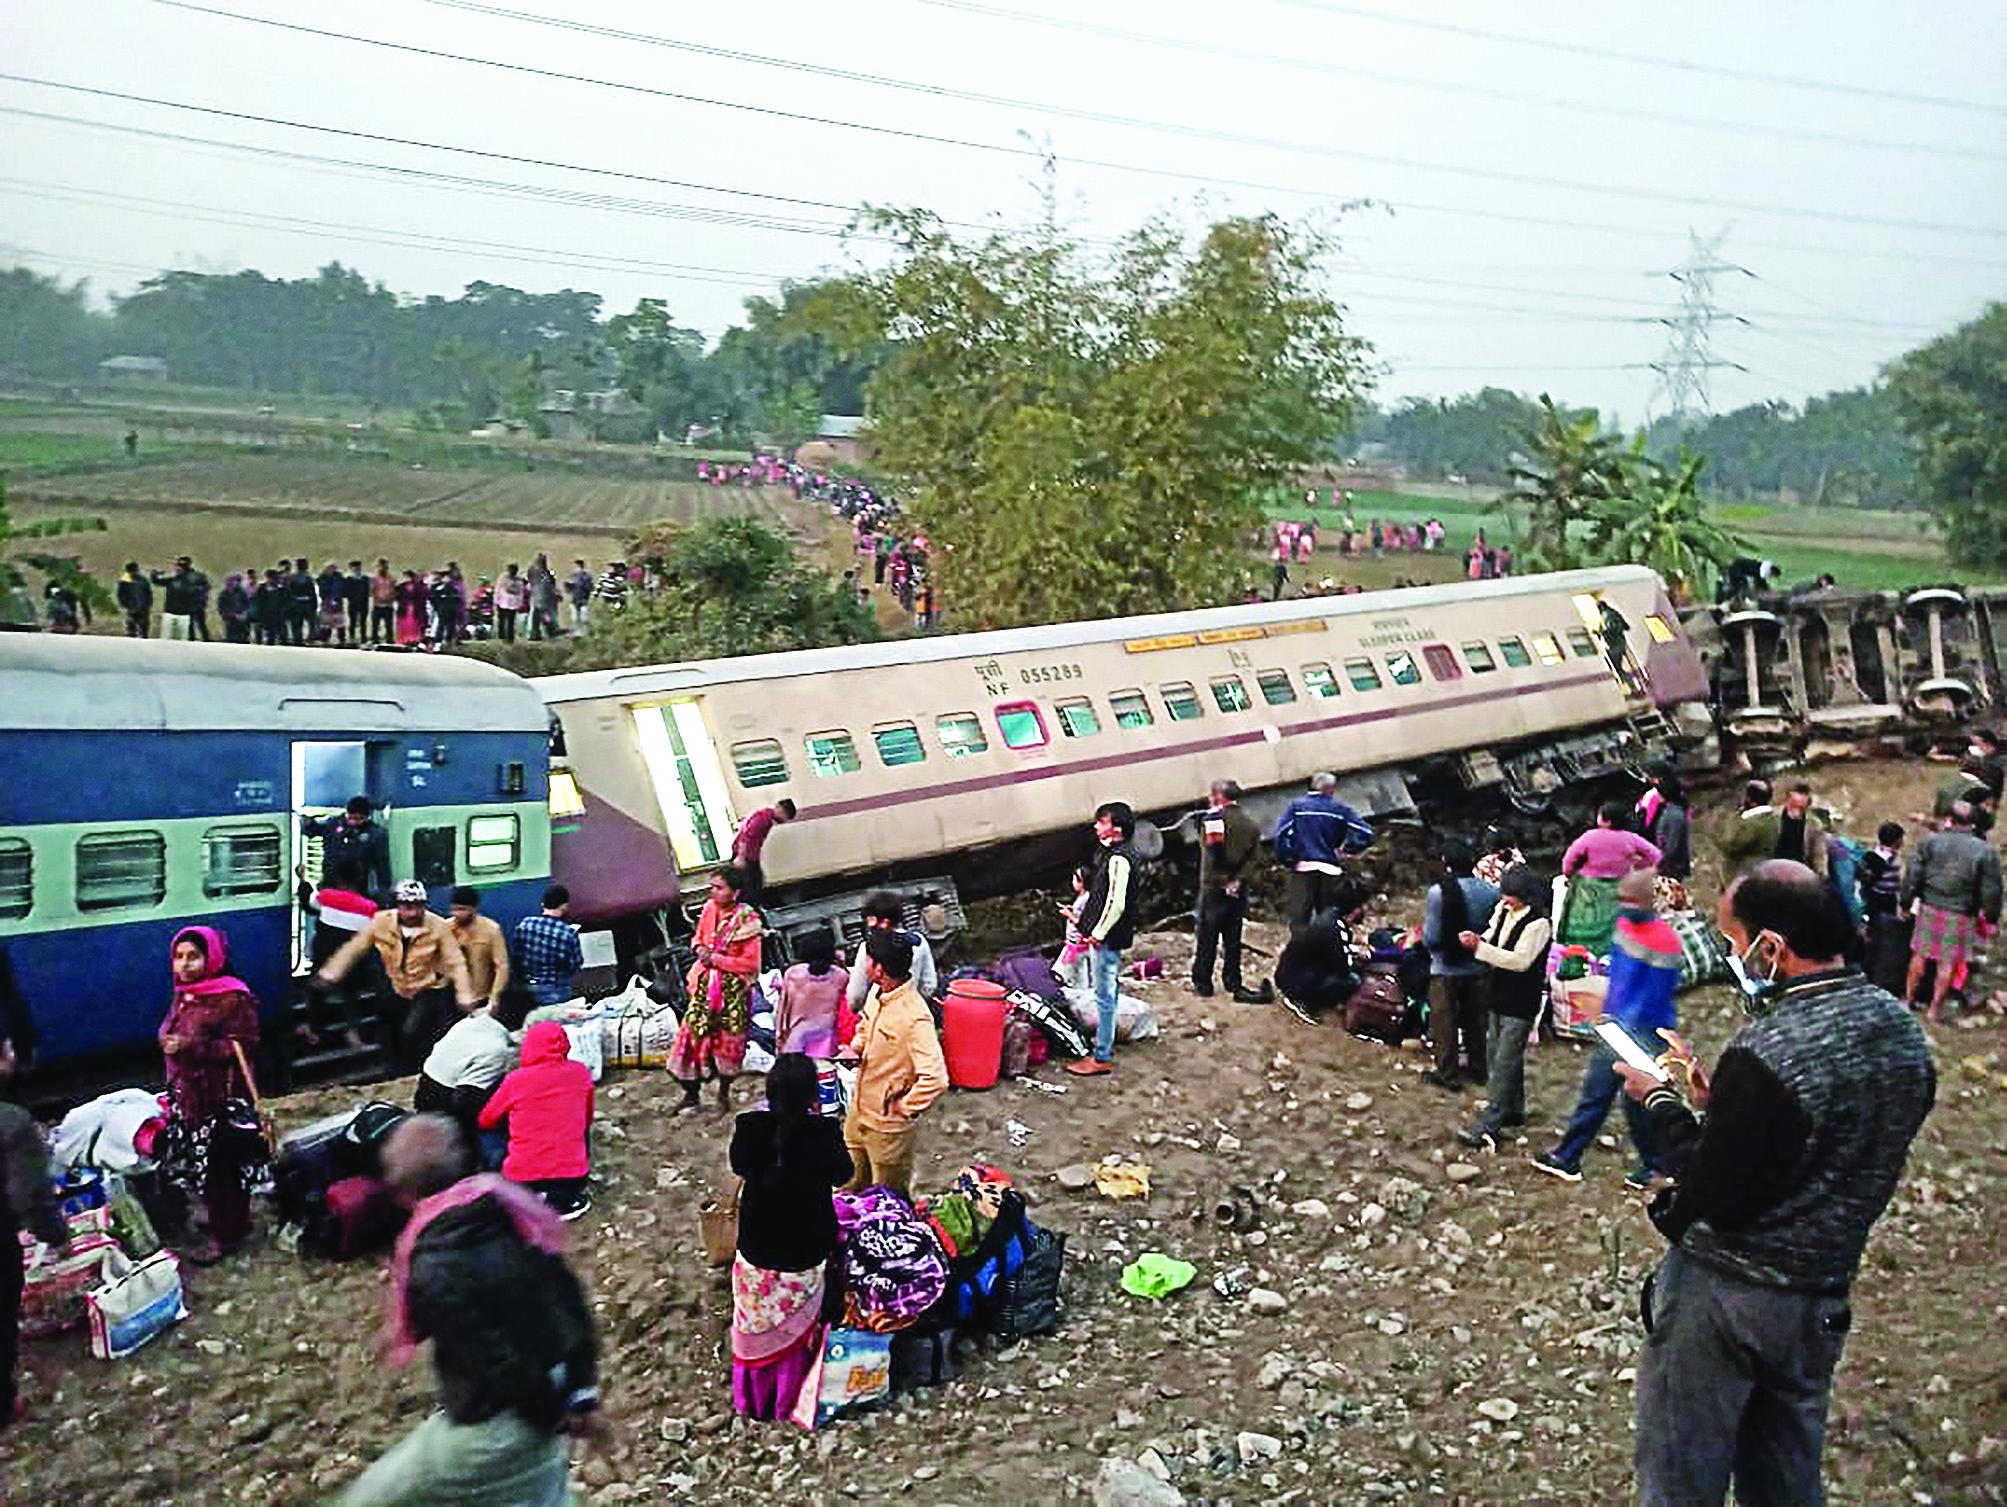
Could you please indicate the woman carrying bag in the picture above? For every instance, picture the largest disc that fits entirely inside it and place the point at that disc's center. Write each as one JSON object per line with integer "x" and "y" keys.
{"x": 215, "y": 1143}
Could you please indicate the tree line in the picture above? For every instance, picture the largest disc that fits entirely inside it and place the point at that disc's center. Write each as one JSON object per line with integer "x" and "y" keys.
{"x": 492, "y": 352}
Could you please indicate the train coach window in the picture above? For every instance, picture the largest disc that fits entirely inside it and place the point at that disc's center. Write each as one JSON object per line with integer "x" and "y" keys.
{"x": 1441, "y": 660}
{"x": 1401, "y": 665}
{"x": 1362, "y": 674}
{"x": 240, "y": 860}
{"x": 759, "y": 763}
{"x": 1513, "y": 652}
{"x": 1583, "y": 645}
{"x": 1548, "y": 647}
{"x": 831, "y": 754}
{"x": 1131, "y": 709}
{"x": 1021, "y": 725}
{"x": 1660, "y": 630}
{"x": 1275, "y": 687}
{"x": 1181, "y": 702}
{"x": 1077, "y": 718}
{"x": 961, "y": 734}
{"x": 1320, "y": 682}
{"x": 565, "y": 798}
{"x": 1477, "y": 654}
{"x": 1229, "y": 695}
{"x": 494, "y": 843}
{"x": 17, "y": 879}
{"x": 121, "y": 870}
{"x": 899, "y": 743}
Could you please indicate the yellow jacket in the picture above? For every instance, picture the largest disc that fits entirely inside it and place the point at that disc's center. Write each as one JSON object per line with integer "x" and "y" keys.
{"x": 429, "y": 959}
{"x": 487, "y": 953}
{"x": 900, "y": 1070}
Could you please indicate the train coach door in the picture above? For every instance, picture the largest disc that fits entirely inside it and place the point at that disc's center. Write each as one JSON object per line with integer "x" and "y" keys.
{"x": 689, "y": 784}
{"x": 325, "y": 776}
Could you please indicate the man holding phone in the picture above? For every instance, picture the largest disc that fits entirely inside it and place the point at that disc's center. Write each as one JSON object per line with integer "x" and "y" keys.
{"x": 1810, "y": 1115}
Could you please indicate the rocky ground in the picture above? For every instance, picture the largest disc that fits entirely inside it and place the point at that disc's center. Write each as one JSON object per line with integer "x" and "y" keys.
{"x": 1408, "y": 1321}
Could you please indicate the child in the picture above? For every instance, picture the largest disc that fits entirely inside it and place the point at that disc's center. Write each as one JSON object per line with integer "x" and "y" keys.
{"x": 1072, "y": 964}
{"x": 548, "y": 1105}
{"x": 1880, "y": 877}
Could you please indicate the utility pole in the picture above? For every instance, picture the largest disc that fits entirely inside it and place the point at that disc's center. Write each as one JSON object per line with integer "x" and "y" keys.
{"x": 1688, "y": 358}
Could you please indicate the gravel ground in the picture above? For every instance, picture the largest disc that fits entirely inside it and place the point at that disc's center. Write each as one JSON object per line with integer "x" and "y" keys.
{"x": 1446, "y": 1326}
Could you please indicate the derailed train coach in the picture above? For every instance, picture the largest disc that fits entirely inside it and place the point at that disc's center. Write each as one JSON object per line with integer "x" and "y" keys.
{"x": 146, "y": 786}
{"x": 969, "y": 764}
{"x": 1792, "y": 672}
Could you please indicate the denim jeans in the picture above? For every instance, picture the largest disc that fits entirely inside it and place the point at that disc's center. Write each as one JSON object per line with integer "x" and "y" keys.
{"x": 1600, "y": 1087}
{"x": 1107, "y": 962}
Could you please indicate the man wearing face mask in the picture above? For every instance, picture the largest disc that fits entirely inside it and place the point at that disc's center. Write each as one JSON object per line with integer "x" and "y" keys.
{"x": 1809, "y": 1116}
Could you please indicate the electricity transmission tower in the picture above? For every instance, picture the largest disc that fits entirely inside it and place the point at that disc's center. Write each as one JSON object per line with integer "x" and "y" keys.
{"x": 1688, "y": 358}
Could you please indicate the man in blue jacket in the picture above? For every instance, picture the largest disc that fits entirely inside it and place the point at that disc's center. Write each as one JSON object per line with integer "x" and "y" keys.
{"x": 1314, "y": 830}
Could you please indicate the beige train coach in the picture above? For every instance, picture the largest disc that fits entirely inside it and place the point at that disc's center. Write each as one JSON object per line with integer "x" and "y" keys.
{"x": 964, "y": 754}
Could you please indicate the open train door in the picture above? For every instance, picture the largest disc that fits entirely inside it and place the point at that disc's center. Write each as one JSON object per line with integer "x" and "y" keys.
{"x": 689, "y": 783}
{"x": 325, "y": 777}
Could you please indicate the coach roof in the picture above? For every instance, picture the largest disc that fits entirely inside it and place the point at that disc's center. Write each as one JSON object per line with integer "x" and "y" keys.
{"x": 653, "y": 680}
{"x": 78, "y": 683}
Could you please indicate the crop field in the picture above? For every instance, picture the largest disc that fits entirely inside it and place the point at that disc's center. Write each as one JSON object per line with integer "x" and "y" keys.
{"x": 386, "y": 492}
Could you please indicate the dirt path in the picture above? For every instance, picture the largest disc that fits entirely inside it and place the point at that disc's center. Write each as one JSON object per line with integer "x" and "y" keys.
{"x": 1410, "y": 1299}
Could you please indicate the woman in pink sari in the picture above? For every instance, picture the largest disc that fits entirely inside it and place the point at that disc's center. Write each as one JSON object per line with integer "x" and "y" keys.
{"x": 713, "y": 1033}
{"x": 213, "y": 1145}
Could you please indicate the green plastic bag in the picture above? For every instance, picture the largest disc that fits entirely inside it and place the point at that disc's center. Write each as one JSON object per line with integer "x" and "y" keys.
{"x": 1155, "y": 1275}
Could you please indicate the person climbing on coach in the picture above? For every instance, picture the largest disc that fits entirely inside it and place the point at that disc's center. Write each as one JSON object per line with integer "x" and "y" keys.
{"x": 426, "y": 968}
{"x": 1315, "y": 830}
{"x": 354, "y": 839}
{"x": 750, "y": 842}
{"x": 1109, "y": 922}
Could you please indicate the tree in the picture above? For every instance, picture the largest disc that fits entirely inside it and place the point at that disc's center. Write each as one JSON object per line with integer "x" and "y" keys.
{"x": 1952, "y": 395}
{"x": 1472, "y": 436}
{"x": 46, "y": 329}
{"x": 17, "y": 565}
{"x": 1570, "y": 469}
{"x": 1077, "y": 443}
{"x": 1658, "y": 519}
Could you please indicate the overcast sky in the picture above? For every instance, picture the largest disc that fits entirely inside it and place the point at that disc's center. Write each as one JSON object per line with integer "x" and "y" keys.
{"x": 1540, "y": 165}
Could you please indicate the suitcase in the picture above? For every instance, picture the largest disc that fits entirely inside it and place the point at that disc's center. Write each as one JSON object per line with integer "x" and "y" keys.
{"x": 1378, "y": 1008}
{"x": 361, "y": 1142}
{"x": 357, "y": 1217}
{"x": 923, "y": 1357}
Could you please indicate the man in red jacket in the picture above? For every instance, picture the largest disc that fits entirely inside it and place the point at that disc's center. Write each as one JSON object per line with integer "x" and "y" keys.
{"x": 548, "y": 1105}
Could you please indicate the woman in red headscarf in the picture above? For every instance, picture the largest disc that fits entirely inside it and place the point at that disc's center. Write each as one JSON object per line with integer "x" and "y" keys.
{"x": 214, "y": 1148}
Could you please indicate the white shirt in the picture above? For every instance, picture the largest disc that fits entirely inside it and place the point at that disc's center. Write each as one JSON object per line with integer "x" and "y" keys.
{"x": 476, "y": 1053}
{"x": 926, "y": 977}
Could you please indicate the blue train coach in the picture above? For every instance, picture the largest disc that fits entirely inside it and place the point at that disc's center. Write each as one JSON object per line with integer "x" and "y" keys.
{"x": 146, "y": 785}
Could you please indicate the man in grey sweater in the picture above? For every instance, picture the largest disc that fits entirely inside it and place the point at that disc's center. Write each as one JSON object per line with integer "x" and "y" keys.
{"x": 1809, "y": 1118}
{"x": 1953, "y": 881}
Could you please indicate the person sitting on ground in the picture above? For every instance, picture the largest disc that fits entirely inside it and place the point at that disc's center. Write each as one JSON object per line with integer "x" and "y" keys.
{"x": 1953, "y": 881}
{"x": 480, "y": 1272}
{"x": 1809, "y": 1117}
{"x": 1886, "y": 943}
{"x": 791, "y": 1158}
{"x": 882, "y": 911}
{"x": 718, "y": 1017}
{"x": 1319, "y": 968}
{"x": 900, "y": 1070}
{"x": 547, "y": 1105}
{"x": 1643, "y": 980}
{"x": 1513, "y": 950}
{"x": 811, "y": 995}
{"x": 461, "y": 1073}
{"x": 1458, "y": 903}
{"x": 27, "y": 1201}
{"x": 1593, "y": 864}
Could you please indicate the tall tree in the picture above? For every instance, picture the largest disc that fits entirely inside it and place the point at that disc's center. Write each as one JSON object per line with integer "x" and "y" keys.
{"x": 1569, "y": 469}
{"x": 1658, "y": 518}
{"x": 1078, "y": 442}
{"x": 1952, "y": 395}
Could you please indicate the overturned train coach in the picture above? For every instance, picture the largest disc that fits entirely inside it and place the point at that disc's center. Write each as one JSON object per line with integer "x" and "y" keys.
{"x": 1823, "y": 667}
{"x": 970, "y": 764}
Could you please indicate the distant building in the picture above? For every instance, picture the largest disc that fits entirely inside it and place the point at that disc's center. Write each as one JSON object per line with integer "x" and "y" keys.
{"x": 144, "y": 368}
{"x": 838, "y": 441}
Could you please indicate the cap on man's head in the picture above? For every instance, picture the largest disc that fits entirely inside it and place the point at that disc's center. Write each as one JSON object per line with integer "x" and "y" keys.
{"x": 409, "y": 892}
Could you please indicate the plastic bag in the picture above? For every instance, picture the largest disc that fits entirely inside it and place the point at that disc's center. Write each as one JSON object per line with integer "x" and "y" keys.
{"x": 135, "y": 1301}
{"x": 856, "y": 1372}
{"x": 587, "y": 1040}
{"x": 1134, "y": 1020}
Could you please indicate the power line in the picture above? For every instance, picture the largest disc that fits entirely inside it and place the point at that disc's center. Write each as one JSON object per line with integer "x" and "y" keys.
{"x": 1227, "y": 138}
{"x": 1615, "y": 55}
{"x": 1431, "y": 85}
{"x": 1684, "y": 370}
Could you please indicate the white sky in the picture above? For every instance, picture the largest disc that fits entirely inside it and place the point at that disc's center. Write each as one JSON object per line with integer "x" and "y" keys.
{"x": 1871, "y": 209}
